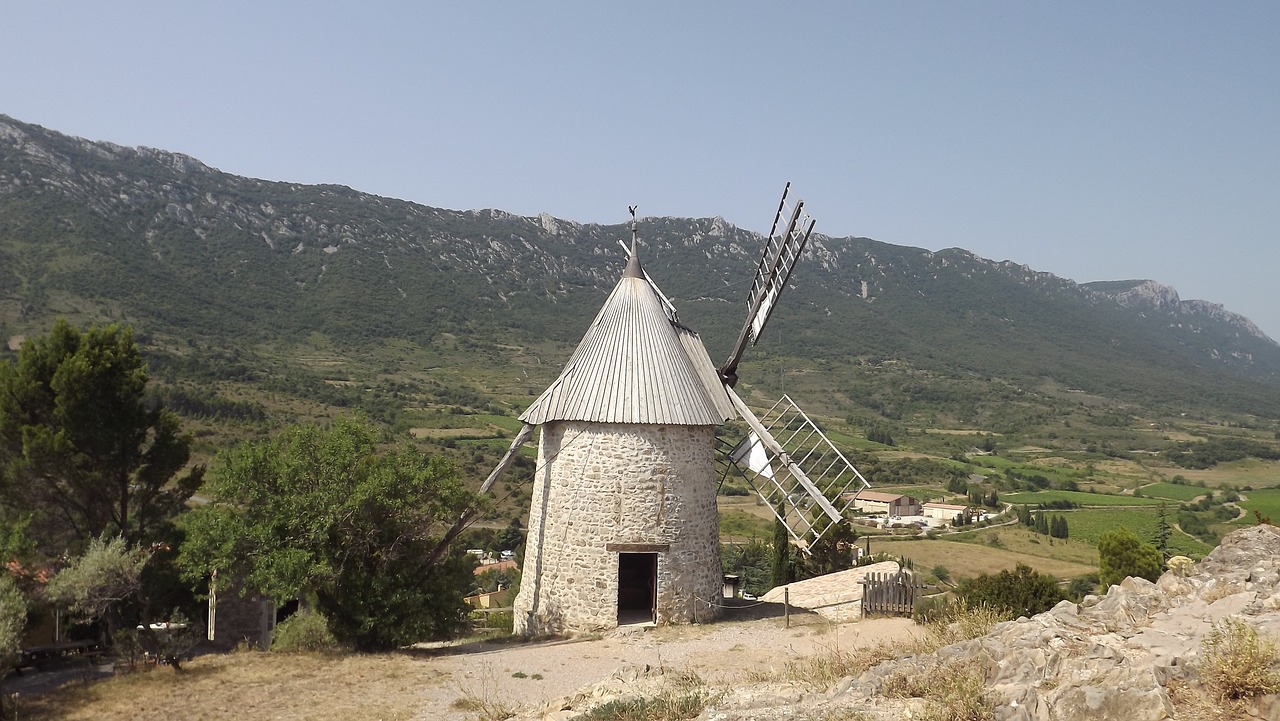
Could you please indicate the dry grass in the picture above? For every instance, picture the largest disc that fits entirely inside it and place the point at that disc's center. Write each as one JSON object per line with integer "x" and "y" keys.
{"x": 249, "y": 685}
{"x": 961, "y": 622}
{"x": 683, "y": 697}
{"x": 1063, "y": 559}
{"x": 1237, "y": 663}
{"x": 822, "y": 671}
{"x": 954, "y": 692}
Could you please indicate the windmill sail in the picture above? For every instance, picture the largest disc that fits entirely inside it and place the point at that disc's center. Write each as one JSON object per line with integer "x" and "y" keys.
{"x": 794, "y": 468}
{"x": 785, "y": 244}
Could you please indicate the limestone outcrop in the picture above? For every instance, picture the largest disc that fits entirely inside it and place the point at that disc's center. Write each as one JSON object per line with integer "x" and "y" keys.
{"x": 1132, "y": 654}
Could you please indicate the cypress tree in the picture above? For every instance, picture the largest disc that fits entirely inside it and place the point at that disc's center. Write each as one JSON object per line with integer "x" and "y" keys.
{"x": 780, "y": 572}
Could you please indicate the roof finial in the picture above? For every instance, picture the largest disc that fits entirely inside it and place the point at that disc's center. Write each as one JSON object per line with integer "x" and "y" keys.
{"x": 633, "y": 262}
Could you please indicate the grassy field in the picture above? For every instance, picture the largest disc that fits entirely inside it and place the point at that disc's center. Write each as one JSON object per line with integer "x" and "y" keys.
{"x": 1173, "y": 491}
{"x": 365, "y": 687}
{"x": 1080, "y": 497}
{"x": 1265, "y": 501}
{"x": 1089, "y": 525}
{"x": 1064, "y": 559}
{"x": 1248, "y": 472}
{"x": 920, "y": 493}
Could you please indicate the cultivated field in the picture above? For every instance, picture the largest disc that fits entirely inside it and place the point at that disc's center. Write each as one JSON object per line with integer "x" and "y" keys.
{"x": 1064, "y": 559}
{"x": 1078, "y": 497}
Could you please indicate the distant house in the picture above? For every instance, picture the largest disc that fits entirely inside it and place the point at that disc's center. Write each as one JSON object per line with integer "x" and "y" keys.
{"x": 944, "y": 511}
{"x": 892, "y": 504}
{"x": 493, "y": 599}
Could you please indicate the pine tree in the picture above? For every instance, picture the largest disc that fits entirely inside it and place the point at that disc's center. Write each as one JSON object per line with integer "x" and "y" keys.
{"x": 1161, "y": 537}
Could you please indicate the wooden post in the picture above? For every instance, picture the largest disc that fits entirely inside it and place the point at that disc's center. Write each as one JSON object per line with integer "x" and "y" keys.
{"x": 786, "y": 606}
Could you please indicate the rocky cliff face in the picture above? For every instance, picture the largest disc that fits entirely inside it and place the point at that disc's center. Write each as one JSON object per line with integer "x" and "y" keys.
{"x": 1148, "y": 295}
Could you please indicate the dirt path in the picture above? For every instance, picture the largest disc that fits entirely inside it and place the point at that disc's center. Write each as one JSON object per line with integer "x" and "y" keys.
{"x": 462, "y": 682}
{"x": 523, "y": 678}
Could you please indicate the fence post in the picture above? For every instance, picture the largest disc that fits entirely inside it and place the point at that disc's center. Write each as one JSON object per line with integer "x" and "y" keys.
{"x": 786, "y": 606}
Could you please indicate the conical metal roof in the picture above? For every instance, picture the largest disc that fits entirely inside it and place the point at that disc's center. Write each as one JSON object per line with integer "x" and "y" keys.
{"x": 634, "y": 365}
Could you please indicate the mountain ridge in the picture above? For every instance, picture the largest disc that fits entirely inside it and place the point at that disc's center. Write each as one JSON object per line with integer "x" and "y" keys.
{"x": 100, "y": 231}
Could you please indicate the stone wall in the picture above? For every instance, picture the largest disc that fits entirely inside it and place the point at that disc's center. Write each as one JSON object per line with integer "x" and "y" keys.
{"x": 234, "y": 618}
{"x": 602, "y": 488}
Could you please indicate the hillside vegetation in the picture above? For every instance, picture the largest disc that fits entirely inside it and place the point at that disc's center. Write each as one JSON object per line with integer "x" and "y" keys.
{"x": 259, "y": 304}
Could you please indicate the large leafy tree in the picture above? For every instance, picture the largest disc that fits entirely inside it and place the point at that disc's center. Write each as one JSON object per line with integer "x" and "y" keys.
{"x": 327, "y": 514}
{"x": 1122, "y": 554}
{"x": 82, "y": 451}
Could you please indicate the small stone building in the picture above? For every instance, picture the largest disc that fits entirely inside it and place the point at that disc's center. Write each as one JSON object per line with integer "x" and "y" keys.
{"x": 236, "y": 619}
{"x": 623, "y": 526}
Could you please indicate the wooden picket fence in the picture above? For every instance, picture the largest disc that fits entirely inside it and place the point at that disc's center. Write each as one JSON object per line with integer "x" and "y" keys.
{"x": 892, "y": 594}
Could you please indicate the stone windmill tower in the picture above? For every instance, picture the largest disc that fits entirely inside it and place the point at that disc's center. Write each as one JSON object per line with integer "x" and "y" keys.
{"x": 623, "y": 521}
{"x": 623, "y": 525}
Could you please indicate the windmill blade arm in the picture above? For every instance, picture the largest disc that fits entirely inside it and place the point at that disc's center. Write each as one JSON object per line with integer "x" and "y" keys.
{"x": 776, "y": 448}
{"x": 443, "y": 544}
{"x": 782, "y": 250}
{"x": 521, "y": 438}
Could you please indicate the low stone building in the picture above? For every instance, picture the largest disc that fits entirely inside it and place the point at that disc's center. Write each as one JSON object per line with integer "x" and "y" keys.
{"x": 948, "y": 512}
{"x": 236, "y": 619}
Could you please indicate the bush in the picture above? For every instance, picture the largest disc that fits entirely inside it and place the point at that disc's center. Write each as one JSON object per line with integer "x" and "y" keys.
{"x": 1021, "y": 592}
{"x": 305, "y": 631}
{"x": 13, "y": 620}
{"x": 1238, "y": 664}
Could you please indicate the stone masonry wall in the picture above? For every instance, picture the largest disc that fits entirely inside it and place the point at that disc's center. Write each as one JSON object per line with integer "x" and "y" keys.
{"x": 600, "y": 484}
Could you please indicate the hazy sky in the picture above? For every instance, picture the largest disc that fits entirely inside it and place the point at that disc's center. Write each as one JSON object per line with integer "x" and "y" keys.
{"x": 1094, "y": 141}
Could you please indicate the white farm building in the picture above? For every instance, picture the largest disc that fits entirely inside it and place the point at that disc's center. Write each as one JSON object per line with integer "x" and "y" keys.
{"x": 948, "y": 512}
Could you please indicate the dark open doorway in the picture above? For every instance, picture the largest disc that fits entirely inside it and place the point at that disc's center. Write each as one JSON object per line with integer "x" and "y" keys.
{"x": 637, "y": 587}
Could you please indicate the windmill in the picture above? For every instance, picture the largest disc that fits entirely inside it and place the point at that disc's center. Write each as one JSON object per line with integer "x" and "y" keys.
{"x": 623, "y": 523}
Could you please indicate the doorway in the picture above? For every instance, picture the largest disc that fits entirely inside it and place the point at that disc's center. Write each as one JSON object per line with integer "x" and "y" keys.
{"x": 637, "y": 587}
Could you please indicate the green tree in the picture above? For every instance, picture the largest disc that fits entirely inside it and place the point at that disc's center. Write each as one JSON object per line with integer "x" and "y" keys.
{"x": 101, "y": 583}
{"x": 1020, "y": 592}
{"x": 1122, "y": 554}
{"x": 1162, "y": 533}
{"x": 833, "y": 552}
{"x": 781, "y": 572}
{"x": 13, "y": 620}
{"x": 750, "y": 562}
{"x": 81, "y": 450}
{"x": 1024, "y": 516}
{"x": 324, "y": 513}
{"x": 1042, "y": 524}
{"x": 512, "y": 536}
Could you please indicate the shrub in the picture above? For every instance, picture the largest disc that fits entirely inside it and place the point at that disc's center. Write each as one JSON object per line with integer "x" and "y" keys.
{"x": 1236, "y": 663}
{"x": 13, "y": 620}
{"x": 1021, "y": 592}
{"x": 305, "y": 631}
{"x": 958, "y": 620}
